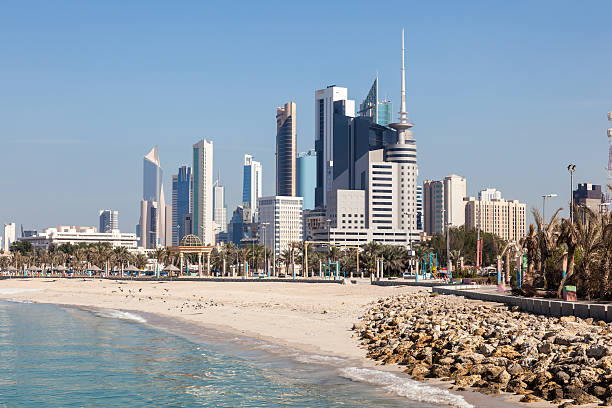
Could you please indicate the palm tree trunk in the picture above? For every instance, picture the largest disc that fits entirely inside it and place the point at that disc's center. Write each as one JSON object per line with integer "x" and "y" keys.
{"x": 570, "y": 269}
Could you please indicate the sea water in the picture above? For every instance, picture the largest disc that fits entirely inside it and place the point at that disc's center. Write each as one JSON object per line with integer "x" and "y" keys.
{"x": 55, "y": 356}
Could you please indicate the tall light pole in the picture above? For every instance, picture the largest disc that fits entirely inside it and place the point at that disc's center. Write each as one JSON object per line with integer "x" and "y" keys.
{"x": 571, "y": 168}
{"x": 263, "y": 226}
{"x": 448, "y": 259}
{"x": 544, "y": 197}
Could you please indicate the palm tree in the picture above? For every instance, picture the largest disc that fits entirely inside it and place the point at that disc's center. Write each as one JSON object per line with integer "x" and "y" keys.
{"x": 569, "y": 236}
{"x": 547, "y": 240}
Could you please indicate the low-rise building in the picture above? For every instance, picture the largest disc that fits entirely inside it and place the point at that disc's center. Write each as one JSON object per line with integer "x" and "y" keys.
{"x": 76, "y": 235}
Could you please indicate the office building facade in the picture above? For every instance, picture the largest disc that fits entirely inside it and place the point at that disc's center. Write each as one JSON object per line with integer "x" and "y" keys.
{"x": 219, "y": 208}
{"x": 454, "y": 204}
{"x": 590, "y": 196}
{"x": 380, "y": 112}
{"x": 155, "y": 226}
{"x": 109, "y": 220}
{"x": 182, "y": 186}
{"x": 489, "y": 194}
{"x": 420, "y": 208}
{"x": 433, "y": 207}
{"x": 324, "y": 129}
{"x": 306, "y": 164}
{"x": 8, "y": 236}
{"x": 506, "y": 219}
{"x": 77, "y": 235}
{"x": 202, "y": 214}
{"x": 286, "y": 150}
{"x": 282, "y": 217}
{"x": 251, "y": 186}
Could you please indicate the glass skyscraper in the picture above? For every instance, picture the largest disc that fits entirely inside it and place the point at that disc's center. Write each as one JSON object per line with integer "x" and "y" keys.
{"x": 152, "y": 176}
{"x": 307, "y": 178}
{"x": 182, "y": 185}
{"x": 251, "y": 185}
{"x": 286, "y": 150}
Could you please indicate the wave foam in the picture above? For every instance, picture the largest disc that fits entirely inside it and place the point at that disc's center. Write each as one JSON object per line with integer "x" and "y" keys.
{"x": 118, "y": 314}
{"x": 319, "y": 359}
{"x": 12, "y": 291}
{"x": 405, "y": 387}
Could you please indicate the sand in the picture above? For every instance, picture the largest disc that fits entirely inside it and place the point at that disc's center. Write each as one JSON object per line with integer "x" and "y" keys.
{"x": 314, "y": 318}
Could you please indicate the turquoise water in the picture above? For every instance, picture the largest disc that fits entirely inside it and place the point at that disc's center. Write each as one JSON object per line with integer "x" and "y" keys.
{"x": 53, "y": 356}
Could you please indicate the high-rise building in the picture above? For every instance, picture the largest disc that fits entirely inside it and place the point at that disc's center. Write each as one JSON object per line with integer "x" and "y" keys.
{"x": 379, "y": 111}
{"x": 420, "y": 208}
{"x": 155, "y": 226}
{"x": 282, "y": 217}
{"x": 384, "y": 114}
{"x": 505, "y": 219}
{"x": 286, "y": 149}
{"x": 152, "y": 176}
{"x": 433, "y": 207}
{"x": 590, "y": 196}
{"x": 489, "y": 194}
{"x": 9, "y": 236}
{"x": 380, "y": 203}
{"x": 324, "y": 129}
{"x": 109, "y": 220}
{"x": 454, "y": 204}
{"x": 182, "y": 186}
{"x": 203, "y": 191}
{"x": 306, "y": 164}
{"x": 219, "y": 208}
{"x": 251, "y": 186}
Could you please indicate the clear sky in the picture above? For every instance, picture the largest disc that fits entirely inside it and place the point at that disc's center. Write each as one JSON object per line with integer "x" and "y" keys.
{"x": 505, "y": 94}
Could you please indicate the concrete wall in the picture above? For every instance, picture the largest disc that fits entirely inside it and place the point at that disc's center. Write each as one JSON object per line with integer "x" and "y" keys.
{"x": 547, "y": 307}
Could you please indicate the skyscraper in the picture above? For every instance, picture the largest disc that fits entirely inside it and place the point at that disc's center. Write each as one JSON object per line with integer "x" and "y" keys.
{"x": 8, "y": 236}
{"x": 371, "y": 107}
{"x": 286, "y": 150}
{"x": 324, "y": 131}
{"x": 454, "y": 205}
{"x": 251, "y": 186}
{"x": 152, "y": 176}
{"x": 109, "y": 220}
{"x": 219, "y": 208}
{"x": 182, "y": 185}
{"x": 433, "y": 206}
{"x": 420, "y": 208}
{"x": 307, "y": 177}
{"x": 203, "y": 191}
{"x": 155, "y": 226}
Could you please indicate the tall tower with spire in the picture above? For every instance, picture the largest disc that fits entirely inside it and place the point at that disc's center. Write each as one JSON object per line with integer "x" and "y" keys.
{"x": 404, "y": 152}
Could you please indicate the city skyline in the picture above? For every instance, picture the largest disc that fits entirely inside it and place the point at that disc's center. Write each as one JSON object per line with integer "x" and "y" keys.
{"x": 513, "y": 121}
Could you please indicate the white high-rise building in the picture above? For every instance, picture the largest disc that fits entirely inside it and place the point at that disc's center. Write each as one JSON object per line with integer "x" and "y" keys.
{"x": 251, "y": 186}
{"x": 489, "y": 194}
{"x": 8, "y": 236}
{"x": 109, "y": 220}
{"x": 506, "y": 219}
{"x": 454, "y": 205}
{"x": 203, "y": 191}
{"x": 219, "y": 208}
{"x": 324, "y": 136}
{"x": 155, "y": 226}
{"x": 282, "y": 218}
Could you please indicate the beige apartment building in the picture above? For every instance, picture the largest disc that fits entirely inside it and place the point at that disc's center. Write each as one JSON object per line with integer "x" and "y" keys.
{"x": 497, "y": 216}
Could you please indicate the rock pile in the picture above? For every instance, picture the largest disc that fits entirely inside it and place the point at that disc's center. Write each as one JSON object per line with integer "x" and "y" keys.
{"x": 492, "y": 347}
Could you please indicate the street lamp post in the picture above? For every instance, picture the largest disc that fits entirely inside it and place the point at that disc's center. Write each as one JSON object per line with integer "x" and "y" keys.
{"x": 571, "y": 168}
{"x": 263, "y": 226}
{"x": 448, "y": 259}
{"x": 544, "y": 197}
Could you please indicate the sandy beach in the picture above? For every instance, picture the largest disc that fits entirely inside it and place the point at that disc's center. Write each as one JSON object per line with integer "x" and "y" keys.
{"x": 314, "y": 318}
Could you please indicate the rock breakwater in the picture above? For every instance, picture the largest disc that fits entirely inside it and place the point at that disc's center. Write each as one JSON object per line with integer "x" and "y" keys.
{"x": 492, "y": 347}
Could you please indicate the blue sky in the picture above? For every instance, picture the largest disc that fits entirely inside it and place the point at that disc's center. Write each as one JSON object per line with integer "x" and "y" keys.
{"x": 505, "y": 94}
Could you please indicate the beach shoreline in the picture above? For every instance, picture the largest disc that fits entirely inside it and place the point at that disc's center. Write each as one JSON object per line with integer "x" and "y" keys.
{"x": 315, "y": 320}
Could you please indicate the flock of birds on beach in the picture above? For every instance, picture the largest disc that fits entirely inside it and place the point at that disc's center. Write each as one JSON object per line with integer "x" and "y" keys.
{"x": 195, "y": 305}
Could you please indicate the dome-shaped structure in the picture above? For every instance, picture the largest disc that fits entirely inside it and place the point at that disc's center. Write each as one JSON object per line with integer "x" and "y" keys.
{"x": 191, "y": 241}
